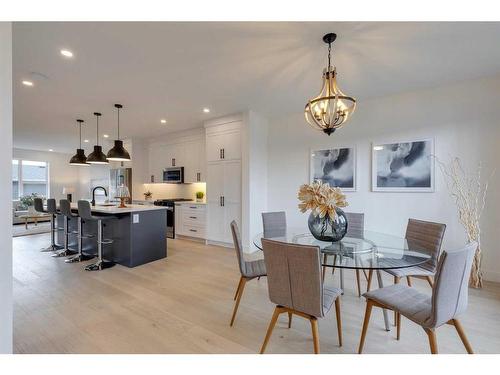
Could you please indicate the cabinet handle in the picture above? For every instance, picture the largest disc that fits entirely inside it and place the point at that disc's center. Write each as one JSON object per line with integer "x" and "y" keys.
{"x": 173, "y": 162}
{"x": 193, "y": 207}
{"x": 220, "y": 153}
{"x": 198, "y": 177}
{"x": 223, "y": 203}
{"x": 223, "y": 154}
{"x": 153, "y": 178}
{"x": 220, "y": 201}
{"x": 192, "y": 217}
{"x": 193, "y": 230}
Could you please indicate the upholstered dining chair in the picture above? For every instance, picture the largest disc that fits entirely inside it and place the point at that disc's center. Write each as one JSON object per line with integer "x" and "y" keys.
{"x": 355, "y": 229}
{"x": 295, "y": 286}
{"x": 248, "y": 269}
{"x": 448, "y": 300}
{"x": 274, "y": 224}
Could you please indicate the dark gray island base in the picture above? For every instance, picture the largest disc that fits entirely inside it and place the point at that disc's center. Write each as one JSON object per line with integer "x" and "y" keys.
{"x": 139, "y": 234}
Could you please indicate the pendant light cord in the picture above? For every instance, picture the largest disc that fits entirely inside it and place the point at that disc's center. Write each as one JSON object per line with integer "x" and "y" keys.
{"x": 80, "y": 135}
{"x": 329, "y": 51}
{"x": 118, "y": 123}
{"x": 97, "y": 142}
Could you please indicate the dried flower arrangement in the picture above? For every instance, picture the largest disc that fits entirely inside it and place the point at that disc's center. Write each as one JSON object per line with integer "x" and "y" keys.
{"x": 321, "y": 199}
{"x": 148, "y": 195}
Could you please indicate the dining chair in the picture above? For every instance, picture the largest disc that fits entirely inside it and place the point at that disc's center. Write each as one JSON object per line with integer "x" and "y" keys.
{"x": 248, "y": 269}
{"x": 295, "y": 286}
{"x": 355, "y": 229}
{"x": 448, "y": 300}
{"x": 274, "y": 224}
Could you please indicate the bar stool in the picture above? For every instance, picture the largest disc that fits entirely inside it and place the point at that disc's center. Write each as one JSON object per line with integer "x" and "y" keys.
{"x": 52, "y": 210}
{"x": 65, "y": 210}
{"x": 80, "y": 257}
{"x": 85, "y": 213}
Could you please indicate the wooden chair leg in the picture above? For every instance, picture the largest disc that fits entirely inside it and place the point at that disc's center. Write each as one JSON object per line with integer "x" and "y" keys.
{"x": 277, "y": 311}
{"x": 396, "y": 281}
{"x": 398, "y": 323}
{"x": 334, "y": 260}
{"x": 368, "y": 312}
{"x": 369, "y": 282}
{"x": 289, "y": 320}
{"x": 429, "y": 280}
{"x": 315, "y": 334}
{"x": 339, "y": 320}
{"x": 238, "y": 298}
{"x": 432, "y": 340}
{"x": 237, "y": 289}
{"x": 358, "y": 281}
{"x": 463, "y": 337}
{"x": 408, "y": 280}
{"x": 366, "y": 275}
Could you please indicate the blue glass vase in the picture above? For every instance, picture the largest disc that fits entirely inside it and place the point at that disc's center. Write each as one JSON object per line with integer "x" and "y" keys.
{"x": 326, "y": 229}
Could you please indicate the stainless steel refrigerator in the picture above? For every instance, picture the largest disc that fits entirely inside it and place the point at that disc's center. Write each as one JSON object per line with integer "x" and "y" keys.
{"x": 118, "y": 177}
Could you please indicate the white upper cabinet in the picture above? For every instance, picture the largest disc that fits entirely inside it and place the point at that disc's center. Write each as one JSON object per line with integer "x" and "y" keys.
{"x": 224, "y": 142}
{"x": 194, "y": 161}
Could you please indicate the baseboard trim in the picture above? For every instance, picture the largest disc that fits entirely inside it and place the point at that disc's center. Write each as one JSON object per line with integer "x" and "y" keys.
{"x": 491, "y": 276}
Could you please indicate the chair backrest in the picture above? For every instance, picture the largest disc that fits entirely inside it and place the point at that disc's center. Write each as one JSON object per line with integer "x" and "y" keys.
{"x": 426, "y": 236}
{"x": 84, "y": 210}
{"x": 65, "y": 207}
{"x": 51, "y": 206}
{"x": 38, "y": 203}
{"x": 238, "y": 247}
{"x": 274, "y": 224}
{"x": 450, "y": 291}
{"x": 294, "y": 276}
{"x": 355, "y": 224}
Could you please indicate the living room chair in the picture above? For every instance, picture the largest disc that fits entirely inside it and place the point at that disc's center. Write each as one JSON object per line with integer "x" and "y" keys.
{"x": 295, "y": 286}
{"x": 448, "y": 300}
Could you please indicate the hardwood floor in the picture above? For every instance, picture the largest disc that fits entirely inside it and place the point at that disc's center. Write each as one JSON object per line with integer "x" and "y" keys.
{"x": 183, "y": 304}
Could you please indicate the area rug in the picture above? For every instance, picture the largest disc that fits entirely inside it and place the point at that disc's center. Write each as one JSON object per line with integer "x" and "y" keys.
{"x": 20, "y": 230}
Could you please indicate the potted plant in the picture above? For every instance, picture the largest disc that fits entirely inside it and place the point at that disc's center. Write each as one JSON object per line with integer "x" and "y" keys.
{"x": 199, "y": 196}
{"x": 327, "y": 222}
{"x": 27, "y": 202}
{"x": 148, "y": 195}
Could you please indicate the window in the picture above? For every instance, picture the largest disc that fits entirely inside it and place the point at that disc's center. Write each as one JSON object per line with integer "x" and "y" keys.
{"x": 29, "y": 177}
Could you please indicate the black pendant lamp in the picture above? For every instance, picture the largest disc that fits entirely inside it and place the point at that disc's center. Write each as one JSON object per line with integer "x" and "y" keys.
{"x": 79, "y": 158}
{"x": 118, "y": 152}
{"x": 97, "y": 156}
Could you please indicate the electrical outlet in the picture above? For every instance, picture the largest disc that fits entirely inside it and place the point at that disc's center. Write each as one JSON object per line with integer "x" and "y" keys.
{"x": 135, "y": 218}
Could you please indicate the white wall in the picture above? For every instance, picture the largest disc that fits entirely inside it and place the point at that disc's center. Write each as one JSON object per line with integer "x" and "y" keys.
{"x": 464, "y": 121}
{"x": 61, "y": 174}
{"x": 5, "y": 187}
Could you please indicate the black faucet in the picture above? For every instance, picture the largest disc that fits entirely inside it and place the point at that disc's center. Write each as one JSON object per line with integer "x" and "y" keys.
{"x": 93, "y": 193}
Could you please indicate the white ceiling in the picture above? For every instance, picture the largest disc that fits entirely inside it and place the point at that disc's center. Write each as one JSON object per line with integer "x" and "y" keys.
{"x": 174, "y": 70}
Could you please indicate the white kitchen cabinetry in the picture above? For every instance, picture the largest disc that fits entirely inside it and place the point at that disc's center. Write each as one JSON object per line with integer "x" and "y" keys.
{"x": 194, "y": 161}
{"x": 190, "y": 220}
{"x": 223, "y": 181}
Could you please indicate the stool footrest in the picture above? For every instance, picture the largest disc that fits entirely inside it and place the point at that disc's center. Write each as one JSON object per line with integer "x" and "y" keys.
{"x": 105, "y": 241}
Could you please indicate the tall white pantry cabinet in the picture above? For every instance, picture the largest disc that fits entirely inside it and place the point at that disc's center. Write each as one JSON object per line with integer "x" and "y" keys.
{"x": 223, "y": 151}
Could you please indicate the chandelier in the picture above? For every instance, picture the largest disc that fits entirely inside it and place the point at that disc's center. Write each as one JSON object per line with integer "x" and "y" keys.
{"x": 331, "y": 108}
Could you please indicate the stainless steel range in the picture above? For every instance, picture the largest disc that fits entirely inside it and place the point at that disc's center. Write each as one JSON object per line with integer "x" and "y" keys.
{"x": 170, "y": 204}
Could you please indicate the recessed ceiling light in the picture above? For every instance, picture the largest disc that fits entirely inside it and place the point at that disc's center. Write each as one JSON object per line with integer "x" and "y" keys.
{"x": 163, "y": 121}
{"x": 50, "y": 150}
{"x": 27, "y": 83}
{"x": 66, "y": 53}
{"x": 105, "y": 136}
{"x": 86, "y": 140}
{"x": 206, "y": 110}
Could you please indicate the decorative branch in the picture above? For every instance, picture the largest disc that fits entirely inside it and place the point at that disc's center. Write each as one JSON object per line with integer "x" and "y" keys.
{"x": 469, "y": 194}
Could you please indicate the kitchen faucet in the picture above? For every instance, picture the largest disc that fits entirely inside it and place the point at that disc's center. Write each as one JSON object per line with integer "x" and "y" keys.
{"x": 93, "y": 193}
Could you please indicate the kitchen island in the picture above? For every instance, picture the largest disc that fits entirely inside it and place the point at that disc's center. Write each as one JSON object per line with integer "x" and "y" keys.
{"x": 139, "y": 233}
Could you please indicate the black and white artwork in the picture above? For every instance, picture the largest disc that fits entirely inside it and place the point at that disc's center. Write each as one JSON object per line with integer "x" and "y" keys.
{"x": 403, "y": 166}
{"x": 336, "y": 166}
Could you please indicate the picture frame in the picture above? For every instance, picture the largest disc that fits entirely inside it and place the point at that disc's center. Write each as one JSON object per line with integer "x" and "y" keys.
{"x": 403, "y": 166}
{"x": 335, "y": 166}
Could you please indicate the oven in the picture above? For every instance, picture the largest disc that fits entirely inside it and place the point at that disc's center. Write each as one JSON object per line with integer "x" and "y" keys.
{"x": 170, "y": 206}
{"x": 173, "y": 175}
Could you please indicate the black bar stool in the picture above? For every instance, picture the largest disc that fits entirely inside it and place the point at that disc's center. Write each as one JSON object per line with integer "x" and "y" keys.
{"x": 52, "y": 210}
{"x": 65, "y": 210}
{"x": 85, "y": 213}
{"x": 80, "y": 257}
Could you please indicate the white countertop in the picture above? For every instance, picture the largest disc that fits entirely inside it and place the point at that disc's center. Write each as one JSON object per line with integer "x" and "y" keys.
{"x": 115, "y": 210}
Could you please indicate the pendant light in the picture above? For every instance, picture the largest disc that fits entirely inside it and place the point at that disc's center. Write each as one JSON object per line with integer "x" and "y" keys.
{"x": 331, "y": 108}
{"x": 118, "y": 152}
{"x": 79, "y": 158}
{"x": 97, "y": 156}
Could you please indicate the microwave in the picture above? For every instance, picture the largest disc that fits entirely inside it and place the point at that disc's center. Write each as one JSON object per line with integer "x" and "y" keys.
{"x": 173, "y": 175}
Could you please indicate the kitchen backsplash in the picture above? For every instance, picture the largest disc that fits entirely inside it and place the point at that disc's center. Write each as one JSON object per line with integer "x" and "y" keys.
{"x": 166, "y": 191}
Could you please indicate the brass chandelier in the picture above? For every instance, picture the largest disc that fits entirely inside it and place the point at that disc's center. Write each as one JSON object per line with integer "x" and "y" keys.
{"x": 331, "y": 108}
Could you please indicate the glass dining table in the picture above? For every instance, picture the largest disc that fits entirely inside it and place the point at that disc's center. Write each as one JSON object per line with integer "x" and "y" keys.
{"x": 370, "y": 251}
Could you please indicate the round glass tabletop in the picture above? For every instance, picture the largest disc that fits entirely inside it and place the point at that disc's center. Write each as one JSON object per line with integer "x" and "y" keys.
{"x": 373, "y": 250}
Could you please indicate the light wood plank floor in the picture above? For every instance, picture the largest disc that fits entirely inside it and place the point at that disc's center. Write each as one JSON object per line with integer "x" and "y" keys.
{"x": 183, "y": 304}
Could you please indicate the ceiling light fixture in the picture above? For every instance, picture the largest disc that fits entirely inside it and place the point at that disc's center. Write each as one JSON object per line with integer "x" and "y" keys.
{"x": 118, "y": 152}
{"x": 86, "y": 140}
{"x": 97, "y": 156}
{"x": 79, "y": 158}
{"x": 331, "y": 108}
{"x": 51, "y": 150}
{"x": 27, "y": 83}
{"x": 163, "y": 121}
{"x": 105, "y": 136}
{"x": 206, "y": 110}
{"x": 66, "y": 53}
